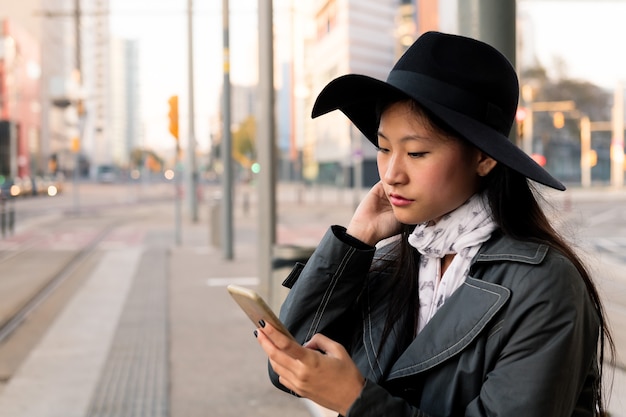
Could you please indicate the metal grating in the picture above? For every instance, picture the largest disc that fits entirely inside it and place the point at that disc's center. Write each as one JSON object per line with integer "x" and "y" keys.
{"x": 134, "y": 381}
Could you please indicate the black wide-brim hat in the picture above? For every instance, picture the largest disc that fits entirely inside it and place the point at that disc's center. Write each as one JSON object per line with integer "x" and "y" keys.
{"x": 465, "y": 84}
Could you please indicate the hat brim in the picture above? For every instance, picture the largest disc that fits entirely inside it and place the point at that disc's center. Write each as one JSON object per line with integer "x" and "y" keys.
{"x": 357, "y": 96}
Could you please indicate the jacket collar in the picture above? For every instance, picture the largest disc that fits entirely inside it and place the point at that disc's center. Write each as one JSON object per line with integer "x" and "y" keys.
{"x": 453, "y": 328}
{"x": 468, "y": 311}
{"x": 503, "y": 248}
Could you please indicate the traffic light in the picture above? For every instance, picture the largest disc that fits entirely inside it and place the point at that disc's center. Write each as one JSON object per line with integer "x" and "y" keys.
{"x": 173, "y": 115}
{"x": 75, "y": 145}
{"x": 558, "y": 120}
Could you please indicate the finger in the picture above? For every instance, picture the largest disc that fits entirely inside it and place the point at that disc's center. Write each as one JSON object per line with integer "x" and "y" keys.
{"x": 285, "y": 382}
{"x": 326, "y": 345}
{"x": 278, "y": 359}
{"x": 282, "y": 341}
{"x": 315, "y": 343}
{"x": 287, "y": 358}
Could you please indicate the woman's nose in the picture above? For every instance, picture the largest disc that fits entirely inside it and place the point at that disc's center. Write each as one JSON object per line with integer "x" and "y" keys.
{"x": 394, "y": 172}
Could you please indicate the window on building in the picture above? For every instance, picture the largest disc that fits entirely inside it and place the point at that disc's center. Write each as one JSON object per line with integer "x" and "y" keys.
{"x": 326, "y": 18}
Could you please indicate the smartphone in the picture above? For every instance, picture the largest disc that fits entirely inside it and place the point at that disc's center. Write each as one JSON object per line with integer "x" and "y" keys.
{"x": 256, "y": 308}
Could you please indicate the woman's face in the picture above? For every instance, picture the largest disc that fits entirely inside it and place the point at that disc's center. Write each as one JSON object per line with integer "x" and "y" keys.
{"x": 425, "y": 173}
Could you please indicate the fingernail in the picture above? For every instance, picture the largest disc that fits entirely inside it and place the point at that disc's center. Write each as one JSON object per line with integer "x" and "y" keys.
{"x": 262, "y": 323}
{"x": 256, "y": 334}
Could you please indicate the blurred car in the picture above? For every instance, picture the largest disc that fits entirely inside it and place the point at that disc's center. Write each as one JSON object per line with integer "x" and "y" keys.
{"x": 52, "y": 184}
{"x": 106, "y": 174}
{"x": 48, "y": 185}
{"x": 22, "y": 187}
{"x": 5, "y": 187}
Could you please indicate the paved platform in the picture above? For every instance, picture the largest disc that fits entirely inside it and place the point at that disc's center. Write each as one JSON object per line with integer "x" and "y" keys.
{"x": 154, "y": 333}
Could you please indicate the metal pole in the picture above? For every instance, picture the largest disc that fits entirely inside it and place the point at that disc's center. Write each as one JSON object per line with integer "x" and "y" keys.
{"x": 527, "y": 137}
{"x": 266, "y": 149}
{"x": 79, "y": 105}
{"x": 227, "y": 181}
{"x": 585, "y": 151}
{"x": 617, "y": 141}
{"x": 491, "y": 21}
{"x": 77, "y": 16}
{"x": 527, "y": 97}
{"x": 178, "y": 172}
{"x": 293, "y": 149}
{"x": 192, "y": 178}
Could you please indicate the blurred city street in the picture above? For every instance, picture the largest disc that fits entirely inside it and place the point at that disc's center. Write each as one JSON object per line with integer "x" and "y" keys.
{"x": 113, "y": 296}
{"x": 140, "y": 323}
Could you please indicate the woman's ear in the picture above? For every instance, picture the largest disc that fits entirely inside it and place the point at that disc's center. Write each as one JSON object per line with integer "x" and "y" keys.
{"x": 485, "y": 164}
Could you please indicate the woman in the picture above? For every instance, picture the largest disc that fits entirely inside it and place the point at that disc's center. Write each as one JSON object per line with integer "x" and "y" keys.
{"x": 449, "y": 293}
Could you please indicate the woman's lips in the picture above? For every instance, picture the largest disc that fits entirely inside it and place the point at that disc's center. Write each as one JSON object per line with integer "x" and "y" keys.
{"x": 398, "y": 200}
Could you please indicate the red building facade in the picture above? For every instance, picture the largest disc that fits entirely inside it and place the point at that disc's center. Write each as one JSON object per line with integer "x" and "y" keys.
{"x": 20, "y": 106}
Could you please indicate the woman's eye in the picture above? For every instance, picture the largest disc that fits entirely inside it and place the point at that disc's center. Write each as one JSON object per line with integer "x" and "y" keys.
{"x": 417, "y": 154}
{"x": 382, "y": 150}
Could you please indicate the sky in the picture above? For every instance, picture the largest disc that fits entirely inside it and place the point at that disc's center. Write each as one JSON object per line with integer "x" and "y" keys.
{"x": 587, "y": 35}
{"x": 162, "y": 35}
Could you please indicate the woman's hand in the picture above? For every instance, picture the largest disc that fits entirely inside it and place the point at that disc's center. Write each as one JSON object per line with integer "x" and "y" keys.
{"x": 374, "y": 220}
{"x": 321, "y": 370}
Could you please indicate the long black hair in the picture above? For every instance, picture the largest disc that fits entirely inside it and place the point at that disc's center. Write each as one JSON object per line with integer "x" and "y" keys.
{"x": 515, "y": 205}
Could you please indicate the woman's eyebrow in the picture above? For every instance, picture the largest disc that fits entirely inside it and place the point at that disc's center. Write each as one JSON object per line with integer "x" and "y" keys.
{"x": 409, "y": 137}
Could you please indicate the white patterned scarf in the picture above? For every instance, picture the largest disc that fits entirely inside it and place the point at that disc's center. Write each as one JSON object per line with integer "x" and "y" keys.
{"x": 459, "y": 232}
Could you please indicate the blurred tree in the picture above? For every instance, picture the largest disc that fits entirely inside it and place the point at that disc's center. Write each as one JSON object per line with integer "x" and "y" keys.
{"x": 146, "y": 157}
{"x": 590, "y": 99}
{"x": 244, "y": 142}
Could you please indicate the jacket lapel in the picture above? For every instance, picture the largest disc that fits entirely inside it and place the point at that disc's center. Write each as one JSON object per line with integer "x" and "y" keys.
{"x": 453, "y": 327}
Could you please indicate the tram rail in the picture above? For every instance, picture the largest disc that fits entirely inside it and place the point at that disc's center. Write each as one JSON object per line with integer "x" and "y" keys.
{"x": 27, "y": 306}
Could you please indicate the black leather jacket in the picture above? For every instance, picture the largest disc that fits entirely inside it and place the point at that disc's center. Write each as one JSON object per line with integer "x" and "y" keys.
{"x": 518, "y": 338}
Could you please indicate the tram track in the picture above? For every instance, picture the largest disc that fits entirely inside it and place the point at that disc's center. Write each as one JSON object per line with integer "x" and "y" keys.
{"x": 37, "y": 296}
{"x": 22, "y": 247}
{"x": 48, "y": 258}
{"x": 92, "y": 226}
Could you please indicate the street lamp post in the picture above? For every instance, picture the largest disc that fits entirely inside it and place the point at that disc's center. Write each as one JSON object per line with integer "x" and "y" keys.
{"x": 192, "y": 177}
{"x": 266, "y": 150}
{"x": 585, "y": 152}
{"x": 617, "y": 141}
{"x": 227, "y": 178}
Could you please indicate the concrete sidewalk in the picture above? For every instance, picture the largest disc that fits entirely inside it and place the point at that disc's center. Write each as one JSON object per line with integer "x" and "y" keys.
{"x": 217, "y": 367}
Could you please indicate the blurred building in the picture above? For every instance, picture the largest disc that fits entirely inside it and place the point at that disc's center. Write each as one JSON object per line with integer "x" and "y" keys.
{"x": 20, "y": 118}
{"x": 406, "y": 26}
{"x": 351, "y": 36}
{"x": 96, "y": 80}
{"x": 57, "y": 31}
{"x": 243, "y": 107}
{"x": 327, "y": 38}
{"x": 125, "y": 128}
{"x": 58, "y": 26}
